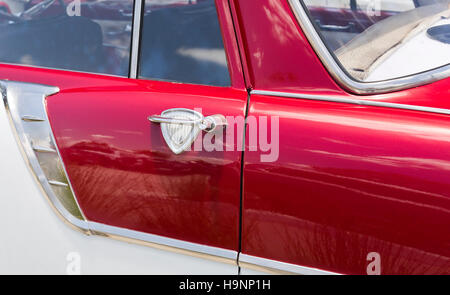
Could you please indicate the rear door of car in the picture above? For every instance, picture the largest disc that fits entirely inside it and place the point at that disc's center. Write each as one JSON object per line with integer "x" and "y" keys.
{"x": 120, "y": 165}
{"x": 135, "y": 177}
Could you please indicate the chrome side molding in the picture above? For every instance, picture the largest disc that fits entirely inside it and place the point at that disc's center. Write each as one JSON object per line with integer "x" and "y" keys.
{"x": 277, "y": 267}
{"x": 354, "y": 101}
{"x": 28, "y": 118}
{"x": 25, "y": 105}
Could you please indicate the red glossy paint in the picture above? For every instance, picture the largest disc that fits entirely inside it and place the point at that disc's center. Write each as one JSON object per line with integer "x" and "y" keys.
{"x": 124, "y": 174}
{"x": 280, "y": 58}
{"x": 278, "y": 55}
{"x": 350, "y": 180}
{"x": 231, "y": 44}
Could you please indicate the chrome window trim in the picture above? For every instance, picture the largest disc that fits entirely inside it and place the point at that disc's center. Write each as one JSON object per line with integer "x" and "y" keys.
{"x": 344, "y": 79}
{"x": 136, "y": 38}
{"x": 354, "y": 101}
{"x": 278, "y": 267}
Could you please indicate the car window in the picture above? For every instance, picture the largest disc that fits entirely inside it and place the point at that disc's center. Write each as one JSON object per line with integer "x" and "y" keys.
{"x": 79, "y": 35}
{"x": 182, "y": 42}
{"x": 377, "y": 40}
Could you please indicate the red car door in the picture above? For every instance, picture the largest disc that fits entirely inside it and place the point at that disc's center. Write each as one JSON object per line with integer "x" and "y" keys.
{"x": 124, "y": 174}
{"x": 131, "y": 176}
{"x": 361, "y": 183}
{"x": 120, "y": 165}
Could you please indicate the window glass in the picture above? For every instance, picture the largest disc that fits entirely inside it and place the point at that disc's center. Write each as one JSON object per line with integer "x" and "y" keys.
{"x": 376, "y": 40}
{"x": 80, "y": 35}
{"x": 182, "y": 42}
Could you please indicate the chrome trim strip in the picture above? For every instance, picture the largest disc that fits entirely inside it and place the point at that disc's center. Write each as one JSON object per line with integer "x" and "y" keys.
{"x": 344, "y": 79}
{"x": 273, "y": 266}
{"x": 27, "y": 118}
{"x": 42, "y": 149}
{"x": 169, "y": 243}
{"x": 58, "y": 183}
{"x": 28, "y": 153}
{"x": 353, "y": 101}
{"x": 137, "y": 21}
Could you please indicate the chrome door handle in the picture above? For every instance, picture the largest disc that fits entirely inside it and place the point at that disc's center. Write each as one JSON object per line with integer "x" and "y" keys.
{"x": 208, "y": 124}
{"x": 170, "y": 120}
{"x": 180, "y": 127}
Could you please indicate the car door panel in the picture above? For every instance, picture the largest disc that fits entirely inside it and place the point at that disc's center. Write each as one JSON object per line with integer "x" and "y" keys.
{"x": 124, "y": 174}
{"x": 36, "y": 242}
{"x": 350, "y": 180}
